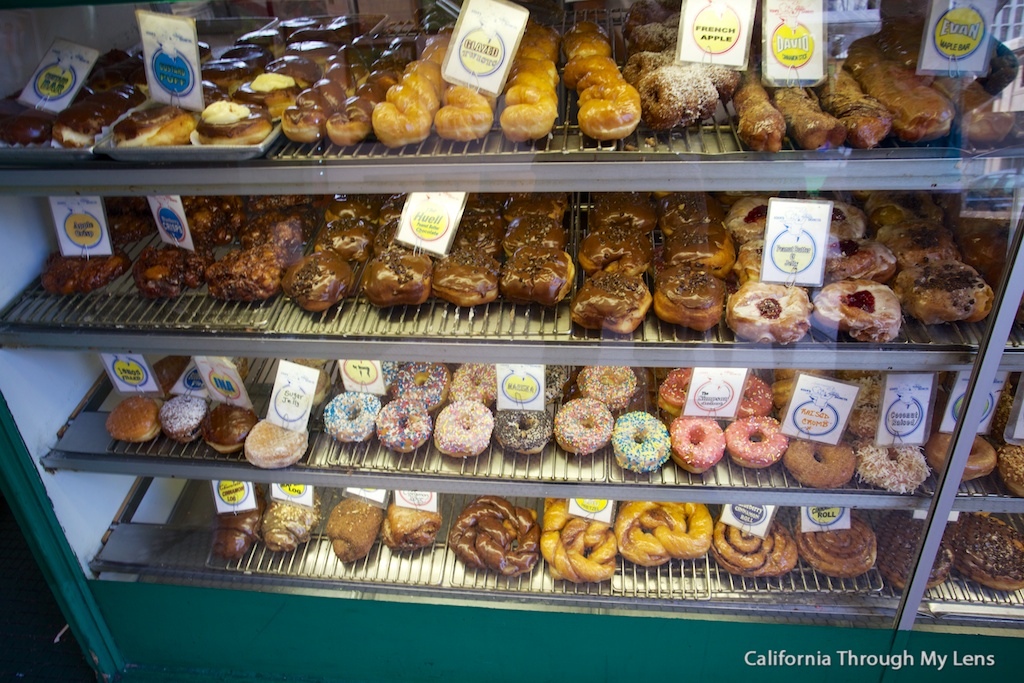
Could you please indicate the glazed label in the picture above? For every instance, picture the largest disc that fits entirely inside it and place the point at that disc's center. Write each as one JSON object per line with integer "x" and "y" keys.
{"x": 222, "y": 380}
{"x": 715, "y": 32}
{"x": 795, "y": 239}
{"x": 300, "y": 494}
{"x": 753, "y": 519}
{"x": 191, "y": 382}
{"x": 60, "y": 75}
{"x": 957, "y": 37}
{"x": 430, "y": 219}
{"x": 484, "y": 41}
{"x": 715, "y": 392}
{"x": 129, "y": 372}
{"x": 81, "y": 225}
{"x": 520, "y": 387}
{"x": 904, "y": 417}
{"x": 818, "y": 518}
{"x": 819, "y": 409}
{"x": 171, "y": 55}
{"x": 291, "y": 400}
{"x": 375, "y": 497}
{"x": 233, "y": 496}
{"x": 955, "y": 405}
{"x": 593, "y": 508}
{"x": 416, "y": 500}
{"x": 169, "y": 215}
{"x": 795, "y": 46}
{"x": 363, "y": 376}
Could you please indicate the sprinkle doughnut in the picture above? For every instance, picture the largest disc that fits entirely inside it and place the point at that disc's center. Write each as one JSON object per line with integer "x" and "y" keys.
{"x": 403, "y": 425}
{"x": 475, "y": 382}
{"x": 900, "y": 469}
{"x": 555, "y": 377}
{"x": 424, "y": 382}
{"x": 612, "y": 385}
{"x": 757, "y": 399}
{"x": 351, "y": 417}
{"x": 463, "y": 429}
{"x": 640, "y": 441}
{"x": 583, "y": 426}
{"x": 698, "y": 443}
{"x": 389, "y": 369}
{"x": 523, "y": 431}
{"x": 820, "y": 465}
{"x": 672, "y": 392}
{"x": 755, "y": 442}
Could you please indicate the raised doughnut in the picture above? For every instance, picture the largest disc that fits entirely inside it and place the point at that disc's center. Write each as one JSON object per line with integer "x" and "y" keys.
{"x": 351, "y": 417}
{"x": 755, "y": 442}
{"x": 426, "y": 383}
{"x": 768, "y": 313}
{"x": 900, "y": 469}
{"x": 859, "y": 259}
{"x": 864, "y": 309}
{"x": 181, "y": 418}
{"x": 980, "y": 462}
{"x": 640, "y": 441}
{"x": 583, "y": 426}
{"x": 757, "y": 399}
{"x": 698, "y": 443}
{"x": 475, "y": 382}
{"x": 523, "y": 431}
{"x": 463, "y": 429}
{"x": 672, "y": 391}
{"x": 820, "y": 465}
{"x": 611, "y": 384}
{"x": 403, "y": 426}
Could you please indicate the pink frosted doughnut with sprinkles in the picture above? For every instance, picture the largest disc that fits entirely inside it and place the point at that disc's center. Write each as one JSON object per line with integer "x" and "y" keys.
{"x": 403, "y": 426}
{"x": 351, "y": 417}
{"x": 475, "y": 382}
{"x": 612, "y": 385}
{"x": 583, "y": 426}
{"x": 698, "y": 443}
{"x": 426, "y": 383}
{"x": 756, "y": 442}
{"x": 640, "y": 441}
{"x": 463, "y": 429}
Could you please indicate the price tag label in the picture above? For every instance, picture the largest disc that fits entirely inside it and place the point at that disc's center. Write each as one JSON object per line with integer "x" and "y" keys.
{"x": 171, "y": 54}
{"x": 129, "y": 372}
{"x": 957, "y": 38}
{"x": 376, "y": 497}
{"x": 430, "y": 219}
{"x": 715, "y": 32}
{"x": 169, "y": 214}
{"x": 234, "y": 496}
{"x": 222, "y": 380}
{"x": 819, "y": 409}
{"x": 905, "y": 414}
{"x": 520, "y": 387}
{"x": 291, "y": 399}
{"x": 795, "y": 49}
{"x": 752, "y": 519}
{"x": 81, "y": 225}
{"x": 60, "y": 75}
{"x": 796, "y": 241}
{"x": 292, "y": 493}
{"x": 416, "y": 500}
{"x": 715, "y": 392}
{"x": 593, "y": 508}
{"x": 954, "y": 515}
{"x": 363, "y": 376}
{"x": 815, "y": 518}
{"x": 191, "y": 382}
{"x": 955, "y": 405}
{"x": 484, "y": 42}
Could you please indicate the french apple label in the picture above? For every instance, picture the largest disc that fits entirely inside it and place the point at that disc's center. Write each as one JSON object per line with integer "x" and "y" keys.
{"x": 363, "y": 376}
{"x": 753, "y": 519}
{"x": 795, "y": 241}
{"x": 819, "y": 409}
{"x": 715, "y": 32}
{"x": 817, "y": 518}
{"x": 169, "y": 214}
{"x": 60, "y": 75}
{"x": 904, "y": 416}
{"x": 795, "y": 48}
{"x": 485, "y": 39}
{"x": 430, "y": 219}
{"x": 957, "y": 37}
{"x": 129, "y": 372}
{"x": 715, "y": 392}
{"x": 171, "y": 53}
{"x": 375, "y": 497}
{"x": 520, "y": 387}
{"x": 191, "y": 382}
{"x": 291, "y": 400}
{"x": 302, "y": 494}
{"x": 233, "y": 496}
{"x": 955, "y": 405}
{"x": 416, "y": 500}
{"x": 954, "y": 515}
{"x": 222, "y": 380}
{"x": 81, "y": 225}
{"x": 592, "y": 508}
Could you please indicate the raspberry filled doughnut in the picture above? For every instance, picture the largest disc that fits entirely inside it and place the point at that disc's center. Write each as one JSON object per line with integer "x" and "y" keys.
{"x": 866, "y": 310}
{"x": 425, "y": 383}
{"x": 583, "y": 426}
{"x": 767, "y": 313}
{"x": 698, "y": 443}
{"x": 819, "y": 465}
{"x": 746, "y": 219}
{"x": 463, "y": 429}
{"x": 859, "y": 259}
{"x": 641, "y": 442}
{"x": 403, "y": 425}
{"x": 612, "y": 385}
{"x": 351, "y": 417}
{"x": 755, "y": 442}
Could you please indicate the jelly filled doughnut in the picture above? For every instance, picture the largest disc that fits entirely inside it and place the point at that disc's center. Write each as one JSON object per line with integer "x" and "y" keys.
{"x": 612, "y": 385}
{"x": 135, "y": 419}
{"x": 425, "y": 383}
{"x": 523, "y": 431}
{"x": 820, "y": 465}
{"x": 755, "y": 442}
{"x": 403, "y": 425}
{"x": 352, "y": 416}
{"x": 767, "y": 313}
{"x": 491, "y": 533}
{"x": 651, "y": 534}
{"x": 583, "y": 426}
{"x": 270, "y": 446}
{"x": 641, "y": 442}
{"x": 866, "y": 310}
{"x": 475, "y": 382}
{"x": 576, "y": 549}
{"x": 463, "y": 429}
{"x": 698, "y": 443}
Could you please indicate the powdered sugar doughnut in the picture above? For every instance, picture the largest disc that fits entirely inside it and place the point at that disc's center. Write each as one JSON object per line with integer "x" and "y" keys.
{"x": 900, "y": 469}
{"x": 181, "y": 418}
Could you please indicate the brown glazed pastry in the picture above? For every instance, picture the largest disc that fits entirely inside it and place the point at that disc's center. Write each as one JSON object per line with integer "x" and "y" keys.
{"x": 537, "y": 275}
{"x": 612, "y": 301}
{"x": 743, "y": 554}
{"x": 761, "y": 126}
{"x": 160, "y": 126}
{"x": 385, "y": 237}
{"x": 318, "y": 281}
{"x": 29, "y": 127}
{"x": 899, "y": 537}
{"x": 627, "y": 209}
{"x": 917, "y": 242}
{"x": 534, "y": 229}
{"x": 681, "y": 210}
{"x": 354, "y": 207}
{"x": 866, "y": 120}
{"x": 807, "y": 124}
{"x": 841, "y": 554}
{"x": 269, "y": 446}
{"x": 406, "y": 529}
{"x": 213, "y": 220}
{"x": 616, "y": 248}
{"x": 228, "y": 73}
{"x": 245, "y": 275}
{"x": 163, "y": 272}
{"x": 75, "y": 275}
{"x": 707, "y": 246}
{"x": 398, "y": 277}
{"x": 233, "y": 123}
{"x": 491, "y": 533}
{"x": 466, "y": 278}
{"x": 257, "y": 56}
{"x": 349, "y": 237}
{"x": 287, "y": 524}
{"x": 980, "y": 462}
{"x": 989, "y": 551}
{"x": 285, "y": 231}
{"x": 167, "y": 370}
{"x": 352, "y": 527}
{"x": 79, "y": 124}
{"x": 235, "y": 532}
{"x": 481, "y": 232}
{"x": 135, "y": 419}
{"x": 551, "y": 204}
{"x": 129, "y": 219}
{"x": 181, "y": 418}
{"x": 943, "y": 291}
{"x": 225, "y": 427}
{"x": 689, "y": 296}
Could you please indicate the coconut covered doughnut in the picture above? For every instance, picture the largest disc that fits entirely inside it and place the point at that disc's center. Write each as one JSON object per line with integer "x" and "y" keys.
{"x": 820, "y": 465}
{"x": 943, "y": 291}
{"x": 864, "y": 309}
{"x": 743, "y": 554}
{"x": 900, "y": 469}
{"x": 575, "y": 549}
{"x": 651, "y": 534}
{"x": 491, "y": 533}
{"x": 768, "y": 313}
{"x": 842, "y": 553}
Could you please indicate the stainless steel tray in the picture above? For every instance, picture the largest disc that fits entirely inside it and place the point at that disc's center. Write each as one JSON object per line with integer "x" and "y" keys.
{"x": 187, "y": 153}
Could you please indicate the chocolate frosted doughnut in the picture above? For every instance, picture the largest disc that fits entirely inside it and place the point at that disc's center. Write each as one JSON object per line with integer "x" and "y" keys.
{"x": 491, "y": 533}
{"x": 523, "y": 431}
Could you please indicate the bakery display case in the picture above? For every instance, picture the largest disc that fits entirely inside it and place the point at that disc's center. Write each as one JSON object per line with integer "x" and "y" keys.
{"x": 127, "y": 526}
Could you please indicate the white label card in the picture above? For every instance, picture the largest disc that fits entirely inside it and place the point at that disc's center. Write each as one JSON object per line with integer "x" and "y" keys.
{"x": 222, "y": 380}
{"x": 234, "y": 496}
{"x": 376, "y": 497}
{"x": 795, "y": 49}
{"x": 955, "y": 405}
{"x": 129, "y": 372}
{"x": 715, "y": 32}
{"x": 593, "y": 508}
{"x": 291, "y": 400}
{"x": 171, "y": 55}
{"x": 60, "y": 75}
{"x": 957, "y": 38}
{"x": 484, "y": 42}
{"x": 81, "y": 225}
{"x": 191, "y": 382}
{"x": 905, "y": 409}
{"x": 954, "y": 515}
{"x": 416, "y": 500}
{"x": 430, "y": 219}
{"x": 753, "y": 519}
{"x": 715, "y": 392}
{"x": 796, "y": 241}
{"x": 169, "y": 214}
{"x": 817, "y": 518}
{"x": 819, "y": 409}
{"x": 520, "y": 387}
{"x": 301, "y": 494}
{"x": 363, "y": 376}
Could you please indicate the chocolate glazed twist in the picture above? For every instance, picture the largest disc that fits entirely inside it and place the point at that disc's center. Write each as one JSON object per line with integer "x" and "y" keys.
{"x": 744, "y": 554}
{"x": 841, "y": 554}
{"x": 491, "y": 533}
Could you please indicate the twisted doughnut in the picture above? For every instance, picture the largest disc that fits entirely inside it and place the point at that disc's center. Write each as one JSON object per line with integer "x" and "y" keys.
{"x": 491, "y": 533}
{"x": 843, "y": 553}
{"x": 576, "y": 550}
{"x": 651, "y": 534}
{"x": 466, "y": 115}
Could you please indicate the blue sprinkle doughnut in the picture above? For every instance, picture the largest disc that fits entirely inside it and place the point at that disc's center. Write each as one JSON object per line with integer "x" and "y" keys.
{"x": 351, "y": 417}
{"x": 641, "y": 442}
{"x": 403, "y": 426}
{"x": 389, "y": 369}
{"x": 425, "y": 383}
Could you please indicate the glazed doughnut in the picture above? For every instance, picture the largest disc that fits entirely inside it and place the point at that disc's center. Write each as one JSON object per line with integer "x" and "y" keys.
{"x": 269, "y": 446}
{"x": 537, "y": 275}
{"x": 767, "y": 313}
{"x": 1010, "y": 462}
{"x": 651, "y": 534}
{"x": 611, "y": 300}
{"x": 463, "y": 429}
{"x": 351, "y": 417}
{"x": 576, "y": 549}
{"x": 135, "y": 419}
{"x": 673, "y": 389}
{"x": 523, "y": 431}
{"x": 403, "y": 426}
{"x": 980, "y": 462}
{"x": 858, "y": 259}
{"x": 491, "y": 533}
{"x": 529, "y": 113}
{"x": 611, "y": 384}
{"x": 406, "y": 115}
{"x": 398, "y": 276}
{"x": 583, "y": 426}
{"x": 746, "y": 219}
{"x": 609, "y": 112}
{"x": 616, "y": 248}
{"x": 225, "y": 427}
{"x": 466, "y": 115}
{"x": 943, "y": 291}
{"x": 641, "y": 442}
{"x": 474, "y": 382}
{"x": 757, "y": 398}
{"x": 900, "y": 469}
{"x": 864, "y": 309}
{"x": 426, "y": 383}
{"x": 706, "y": 246}
{"x": 820, "y": 465}
{"x": 578, "y": 68}
{"x": 466, "y": 278}
{"x": 181, "y": 418}
{"x": 743, "y": 554}
{"x": 755, "y": 442}
{"x": 698, "y": 443}
{"x": 842, "y": 553}
{"x": 848, "y": 222}
{"x": 690, "y": 296}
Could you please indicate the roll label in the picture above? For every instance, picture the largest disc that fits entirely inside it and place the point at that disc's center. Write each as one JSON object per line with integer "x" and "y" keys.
{"x": 60, "y": 75}
{"x": 222, "y": 380}
{"x": 795, "y": 239}
{"x": 430, "y": 219}
{"x": 956, "y": 38}
{"x": 818, "y": 518}
{"x": 233, "y": 496}
{"x": 300, "y": 494}
{"x": 485, "y": 39}
{"x": 362, "y": 376}
{"x": 596, "y": 509}
{"x": 794, "y": 53}
{"x": 715, "y": 392}
{"x": 416, "y": 500}
{"x": 129, "y": 373}
{"x": 752, "y": 519}
{"x": 171, "y": 55}
{"x": 955, "y": 405}
{"x": 291, "y": 400}
{"x": 904, "y": 417}
{"x": 520, "y": 387}
{"x": 169, "y": 215}
{"x": 819, "y": 409}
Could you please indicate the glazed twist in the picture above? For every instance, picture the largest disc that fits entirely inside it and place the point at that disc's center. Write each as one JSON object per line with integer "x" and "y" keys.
{"x": 576, "y": 549}
{"x": 744, "y": 554}
{"x": 651, "y": 534}
{"x": 491, "y": 533}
